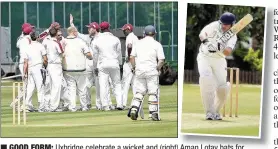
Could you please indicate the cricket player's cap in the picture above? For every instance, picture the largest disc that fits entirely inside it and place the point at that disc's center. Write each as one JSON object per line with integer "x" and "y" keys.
{"x": 104, "y": 25}
{"x": 55, "y": 25}
{"x": 28, "y": 30}
{"x": 127, "y": 27}
{"x": 93, "y": 25}
{"x": 24, "y": 25}
{"x": 149, "y": 30}
{"x": 227, "y": 18}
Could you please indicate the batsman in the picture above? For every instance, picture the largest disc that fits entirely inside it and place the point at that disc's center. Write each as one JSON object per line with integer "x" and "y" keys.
{"x": 212, "y": 65}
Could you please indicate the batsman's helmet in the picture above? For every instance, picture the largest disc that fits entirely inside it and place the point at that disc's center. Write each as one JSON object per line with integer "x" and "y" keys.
{"x": 227, "y": 18}
{"x": 149, "y": 30}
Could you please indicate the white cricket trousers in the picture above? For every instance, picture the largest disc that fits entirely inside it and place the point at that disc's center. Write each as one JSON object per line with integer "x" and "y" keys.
{"x": 35, "y": 82}
{"x": 56, "y": 76}
{"x": 97, "y": 87}
{"x": 114, "y": 74}
{"x": 213, "y": 77}
{"x": 76, "y": 82}
{"x": 90, "y": 82}
{"x": 147, "y": 85}
{"x": 127, "y": 81}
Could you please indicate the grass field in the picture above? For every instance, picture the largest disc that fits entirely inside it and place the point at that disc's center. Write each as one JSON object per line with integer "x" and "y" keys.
{"x": 92, "y": 123}
{"x": 247, "y": 123}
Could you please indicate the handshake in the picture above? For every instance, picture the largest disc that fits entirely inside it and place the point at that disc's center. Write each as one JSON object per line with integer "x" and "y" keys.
{"x": 213, "y": 46}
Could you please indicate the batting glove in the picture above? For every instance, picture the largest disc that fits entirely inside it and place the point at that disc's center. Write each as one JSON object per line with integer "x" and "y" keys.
{"x": 212, "y": 47}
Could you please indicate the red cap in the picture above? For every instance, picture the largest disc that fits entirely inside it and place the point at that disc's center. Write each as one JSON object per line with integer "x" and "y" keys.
{"x": 55, "y": 25}
{"x": 28, "y": 30}
{"x": 93, "y": 25}
{"x": 127, "y": 26}
{"x": 104, "y": 25}
{"x": 24, "y": 25}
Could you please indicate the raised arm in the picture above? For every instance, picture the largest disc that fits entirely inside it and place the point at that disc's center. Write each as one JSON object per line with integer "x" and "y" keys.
{"x": 80, "y": 35}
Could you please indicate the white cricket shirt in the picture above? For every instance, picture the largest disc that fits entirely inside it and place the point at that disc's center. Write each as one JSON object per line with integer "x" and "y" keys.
{"x": 212, "y": 32}
{"x": 35, "y": 53}
{"x": 147, "y": 52}
{"x": 74, "y": 55}
{"x": 23, "y": 43}
{"x": 108, "y": 49}
{"x": 53, "y": 50}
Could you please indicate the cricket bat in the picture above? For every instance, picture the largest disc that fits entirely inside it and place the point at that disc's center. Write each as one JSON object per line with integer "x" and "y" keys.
{"x": 247, "y": 19}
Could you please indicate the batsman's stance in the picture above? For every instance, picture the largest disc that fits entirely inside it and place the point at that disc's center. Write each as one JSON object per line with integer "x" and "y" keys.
{"x": 212, "y": 65}
{"x": 147, "y": 58}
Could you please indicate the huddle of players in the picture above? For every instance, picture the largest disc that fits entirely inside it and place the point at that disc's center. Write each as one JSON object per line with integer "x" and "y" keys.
{"x": 74, "y": 64}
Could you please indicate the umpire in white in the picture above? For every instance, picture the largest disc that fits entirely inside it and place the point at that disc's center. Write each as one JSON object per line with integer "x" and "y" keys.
{"x": 149, "y": 60}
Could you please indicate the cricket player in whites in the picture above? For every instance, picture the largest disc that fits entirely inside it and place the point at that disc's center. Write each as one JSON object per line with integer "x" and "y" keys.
{"x": 127, "y": 79}
{"x": 74, "y": 66}
{"x": 147, "y": 58}
{"x": 54, "y": 51}
{"x": 212, "y": 65}
{"x": 107, "y": 47}
{"x": 34, "y": 60}
{"x": 91, "y": 74}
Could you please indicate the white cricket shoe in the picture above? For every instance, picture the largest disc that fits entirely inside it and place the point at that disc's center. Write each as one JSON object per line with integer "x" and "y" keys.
{"x": 85, "y": 109}
{"x": 72, "y": 110}
{"x": 106, "y": 108}
{"x": 209, "y": 116}
{"x": 217, "y": 117}
{"x": 112, "y": 107}
{"x": 120, "y": 108}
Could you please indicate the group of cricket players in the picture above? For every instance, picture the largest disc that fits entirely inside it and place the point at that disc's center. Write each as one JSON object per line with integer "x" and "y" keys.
{"x": 64, "y": 68}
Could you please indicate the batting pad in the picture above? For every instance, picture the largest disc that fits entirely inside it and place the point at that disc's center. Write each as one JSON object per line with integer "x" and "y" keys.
{"x": 207, "y": 88}
{"x": 222, "y": 93}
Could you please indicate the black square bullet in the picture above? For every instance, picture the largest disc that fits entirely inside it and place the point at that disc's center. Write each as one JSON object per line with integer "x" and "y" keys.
{"x": 3, "y": 146}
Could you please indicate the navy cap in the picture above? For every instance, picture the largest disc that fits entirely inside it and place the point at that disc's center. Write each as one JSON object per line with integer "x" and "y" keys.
{"x": 149, "y": 30}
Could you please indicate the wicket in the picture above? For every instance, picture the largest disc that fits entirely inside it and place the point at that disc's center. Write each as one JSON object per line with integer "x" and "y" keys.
{"x": 231, "y": 92}
{"x": 18, "y": 91}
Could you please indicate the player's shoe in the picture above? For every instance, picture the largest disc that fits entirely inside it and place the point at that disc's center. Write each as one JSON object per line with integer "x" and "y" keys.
{"x": 98, "y": 108}
{"x": 126, "y": 108}
{"x": 155, "y": 116}
{"x": 44, "y": 110}
{"x": 72, "y": 110}
{"x": 29, "y": 109}
{"x": 106, "y": 108}
{"x": 133, "y": 114}
{"x": 217, "y": 117}
{"x": 59, "y": 110}
{"x": 112, "y": 107}
{"x": 120, "y": 108}
{"x": 209, "y": 116}
{"x": 89, "y": 106}
{"x": 85, "y": 109}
